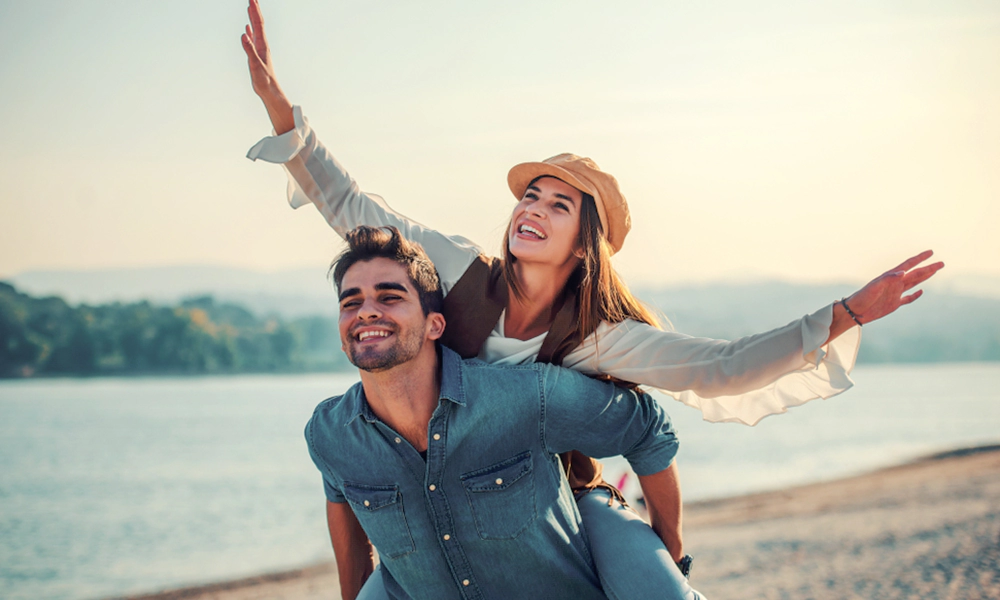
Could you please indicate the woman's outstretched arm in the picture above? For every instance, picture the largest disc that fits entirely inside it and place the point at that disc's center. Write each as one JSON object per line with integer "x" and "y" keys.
{"x": 758, "y": 375}
{"x": 262, "y": 76}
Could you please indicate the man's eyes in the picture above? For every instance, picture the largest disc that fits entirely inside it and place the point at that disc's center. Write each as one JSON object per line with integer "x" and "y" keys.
{"x": 387, "y": 298}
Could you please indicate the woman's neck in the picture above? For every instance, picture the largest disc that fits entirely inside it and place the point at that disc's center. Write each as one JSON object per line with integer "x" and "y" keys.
{"x": 531, "y": 315}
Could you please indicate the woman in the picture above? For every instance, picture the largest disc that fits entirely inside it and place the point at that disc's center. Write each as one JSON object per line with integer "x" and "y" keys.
{"x": 554, "y": 297}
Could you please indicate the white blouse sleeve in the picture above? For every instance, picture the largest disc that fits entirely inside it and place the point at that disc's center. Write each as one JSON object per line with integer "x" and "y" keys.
{"x": 741, "y": 381}
{"x": 315, "y": 176}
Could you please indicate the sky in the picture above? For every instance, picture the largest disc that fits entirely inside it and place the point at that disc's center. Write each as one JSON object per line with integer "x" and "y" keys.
{"x": 821, "y": 141}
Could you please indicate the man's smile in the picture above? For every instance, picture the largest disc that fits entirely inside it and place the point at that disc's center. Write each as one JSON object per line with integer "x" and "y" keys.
{"x": 369, "y": 334}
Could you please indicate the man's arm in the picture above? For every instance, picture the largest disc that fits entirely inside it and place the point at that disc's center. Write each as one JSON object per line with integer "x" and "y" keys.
{"x": 662, "y": 492}
{"x": 355, "y": 562}
{"x": 601, "y": 420}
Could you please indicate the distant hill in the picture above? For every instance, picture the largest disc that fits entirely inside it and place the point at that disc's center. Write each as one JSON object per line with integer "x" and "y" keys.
{"x": 290, "y": 293}
{"x": 958, "y": 319}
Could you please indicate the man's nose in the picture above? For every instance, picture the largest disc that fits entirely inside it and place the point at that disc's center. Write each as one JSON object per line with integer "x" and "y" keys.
{"x": 369, "y": 310}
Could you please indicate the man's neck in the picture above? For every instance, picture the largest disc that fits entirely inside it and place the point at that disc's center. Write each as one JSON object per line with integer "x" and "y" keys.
{"x": 405, "y": 396}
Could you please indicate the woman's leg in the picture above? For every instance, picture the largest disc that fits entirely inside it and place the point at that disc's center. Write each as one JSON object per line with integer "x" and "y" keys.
{"x": 374, "y": 588}
{"x": 631, "y": 560}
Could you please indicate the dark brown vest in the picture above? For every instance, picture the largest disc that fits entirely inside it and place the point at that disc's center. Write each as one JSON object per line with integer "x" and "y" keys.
{"x": 472, "y": 309}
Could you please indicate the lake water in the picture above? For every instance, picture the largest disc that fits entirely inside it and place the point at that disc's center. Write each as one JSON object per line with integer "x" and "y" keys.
{"x": 116, "y": 486}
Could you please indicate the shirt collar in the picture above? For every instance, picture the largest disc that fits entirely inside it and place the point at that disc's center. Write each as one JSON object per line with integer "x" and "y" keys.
{"x": 451, "y": 388}
{"x": 451, "y": 376}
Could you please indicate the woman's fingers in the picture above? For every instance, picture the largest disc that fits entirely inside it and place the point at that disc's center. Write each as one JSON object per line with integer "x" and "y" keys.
{"x": 913, "y": 261}
{"x": 911, "y": 297}
{"x": 918, "y": 276}
{"x": 256, "y": 31}
{"x": 251, "y": 51}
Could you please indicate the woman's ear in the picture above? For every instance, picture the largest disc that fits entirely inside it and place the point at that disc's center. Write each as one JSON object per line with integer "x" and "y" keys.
{"x": 579, "y": 253}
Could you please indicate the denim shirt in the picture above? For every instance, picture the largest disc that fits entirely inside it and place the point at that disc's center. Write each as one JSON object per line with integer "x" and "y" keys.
{"x": 488, "y": 513}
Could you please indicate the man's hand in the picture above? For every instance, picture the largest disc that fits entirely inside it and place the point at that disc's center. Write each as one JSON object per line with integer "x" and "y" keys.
{"x": 262, "y": 77}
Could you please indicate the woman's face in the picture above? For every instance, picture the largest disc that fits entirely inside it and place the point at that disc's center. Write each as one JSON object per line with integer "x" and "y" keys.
{"x": 545, "y": 226}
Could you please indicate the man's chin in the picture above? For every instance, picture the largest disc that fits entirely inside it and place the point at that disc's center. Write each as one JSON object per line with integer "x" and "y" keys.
{"x": 374, "y": 362}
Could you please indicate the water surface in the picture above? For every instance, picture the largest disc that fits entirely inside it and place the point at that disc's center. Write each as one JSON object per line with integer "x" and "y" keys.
{"x": 115, "y": 486}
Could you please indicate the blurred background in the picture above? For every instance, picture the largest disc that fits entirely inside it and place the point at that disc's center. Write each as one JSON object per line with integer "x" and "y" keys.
{"x": 165, "y": 322}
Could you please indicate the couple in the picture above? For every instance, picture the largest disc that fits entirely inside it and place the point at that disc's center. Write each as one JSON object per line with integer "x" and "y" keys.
{"x": 554, "y": 298}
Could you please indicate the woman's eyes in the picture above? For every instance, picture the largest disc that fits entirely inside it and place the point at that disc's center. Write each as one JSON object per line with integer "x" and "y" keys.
{"x": 534, "y": 198}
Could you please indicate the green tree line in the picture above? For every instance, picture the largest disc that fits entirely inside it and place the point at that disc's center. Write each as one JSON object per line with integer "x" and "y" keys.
{"x": 47, "y": 336}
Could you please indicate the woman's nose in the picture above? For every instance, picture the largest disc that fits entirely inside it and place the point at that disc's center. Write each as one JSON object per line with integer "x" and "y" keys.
{"x": 536, "y": 210}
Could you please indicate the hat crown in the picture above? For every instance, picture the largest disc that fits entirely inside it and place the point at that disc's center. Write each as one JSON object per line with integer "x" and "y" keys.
{"x": 584, "y": 174}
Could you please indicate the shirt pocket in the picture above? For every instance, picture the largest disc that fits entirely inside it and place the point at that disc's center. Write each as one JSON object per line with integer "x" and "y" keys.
{"x": 502, "y": 497}
{"x": 379, "y": 509}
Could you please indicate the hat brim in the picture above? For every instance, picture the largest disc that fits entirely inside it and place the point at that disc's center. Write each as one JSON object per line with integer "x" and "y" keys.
{"x": 521, "y": 176}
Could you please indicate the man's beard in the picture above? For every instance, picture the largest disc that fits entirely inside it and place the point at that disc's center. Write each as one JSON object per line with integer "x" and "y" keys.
{"x": 405, "y": 348}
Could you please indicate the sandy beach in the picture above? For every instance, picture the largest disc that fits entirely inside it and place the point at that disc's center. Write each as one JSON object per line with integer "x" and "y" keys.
{"x": 928, "y": 529}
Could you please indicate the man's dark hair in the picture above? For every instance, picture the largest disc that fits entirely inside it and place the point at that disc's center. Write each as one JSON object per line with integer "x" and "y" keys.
{"x": 365, "y": 243}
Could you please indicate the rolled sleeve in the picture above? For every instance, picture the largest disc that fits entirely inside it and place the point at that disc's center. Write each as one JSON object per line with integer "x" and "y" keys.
{"x": 601, "y": 420}
{"x": 331, "y": 489}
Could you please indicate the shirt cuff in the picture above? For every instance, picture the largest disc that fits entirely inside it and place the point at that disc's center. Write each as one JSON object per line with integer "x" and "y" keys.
{"x": 282, "y": 148}
{"x": 825, "y": 373}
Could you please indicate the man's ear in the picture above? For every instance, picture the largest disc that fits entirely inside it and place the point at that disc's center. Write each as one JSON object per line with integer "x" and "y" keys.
{"x": 435, "y": 326}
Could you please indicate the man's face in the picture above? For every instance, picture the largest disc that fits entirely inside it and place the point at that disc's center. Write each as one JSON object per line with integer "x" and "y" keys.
{"x": 381, "y": 322}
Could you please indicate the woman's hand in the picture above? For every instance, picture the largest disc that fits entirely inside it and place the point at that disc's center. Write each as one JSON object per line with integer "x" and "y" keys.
{"x": 265, "y": 84}
{"x": 884, "y": 294}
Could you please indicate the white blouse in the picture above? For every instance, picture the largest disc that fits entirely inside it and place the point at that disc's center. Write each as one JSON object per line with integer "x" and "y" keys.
{"x": 741, "y": 381}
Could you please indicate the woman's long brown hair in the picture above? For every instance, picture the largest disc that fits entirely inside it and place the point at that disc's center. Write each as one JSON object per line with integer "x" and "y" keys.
{"x": 601, "y": 295}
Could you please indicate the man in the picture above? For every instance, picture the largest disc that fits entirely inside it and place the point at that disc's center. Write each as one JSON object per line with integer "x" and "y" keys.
{"x": 450, "y": 467}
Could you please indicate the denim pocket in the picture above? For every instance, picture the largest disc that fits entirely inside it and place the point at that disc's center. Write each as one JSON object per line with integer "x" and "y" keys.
{"x": 379, "y": 509}
{"x": 502, "y": 497}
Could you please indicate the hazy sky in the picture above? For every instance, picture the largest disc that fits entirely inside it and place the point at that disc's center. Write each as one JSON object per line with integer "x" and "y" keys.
{"x": 808, "y": 141}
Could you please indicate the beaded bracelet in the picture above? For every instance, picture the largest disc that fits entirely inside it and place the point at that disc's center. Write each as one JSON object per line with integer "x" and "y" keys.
{"x": 843, "y": 302}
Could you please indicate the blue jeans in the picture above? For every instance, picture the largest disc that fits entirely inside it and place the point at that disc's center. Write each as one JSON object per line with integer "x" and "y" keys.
{"x": 631, "y": 560}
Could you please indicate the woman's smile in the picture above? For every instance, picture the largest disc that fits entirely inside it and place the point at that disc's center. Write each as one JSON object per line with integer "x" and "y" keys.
{"x": 546, "y": 222}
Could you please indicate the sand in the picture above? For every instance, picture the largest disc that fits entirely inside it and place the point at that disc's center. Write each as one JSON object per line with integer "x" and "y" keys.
{"x": 929, "y": 529}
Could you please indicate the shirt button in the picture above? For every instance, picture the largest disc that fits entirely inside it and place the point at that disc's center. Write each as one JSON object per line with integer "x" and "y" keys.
{"x": 432, "y": 487}
{"x": 367, "y": 503}
{"x": 499, "y": 481}
{"x": 447, "y": 537}
{"x": 398, "y": 440}
{"x": 437, "y": 436}
{"x": 465, "y": 582}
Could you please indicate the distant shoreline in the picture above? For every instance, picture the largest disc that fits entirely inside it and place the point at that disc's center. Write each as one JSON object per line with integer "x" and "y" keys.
{"x": 825, "y": 540}
{"x": 352, "y": 369}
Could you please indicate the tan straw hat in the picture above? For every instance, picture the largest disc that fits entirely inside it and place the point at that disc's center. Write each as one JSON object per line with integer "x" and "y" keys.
{"x": 583, "y": 174}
